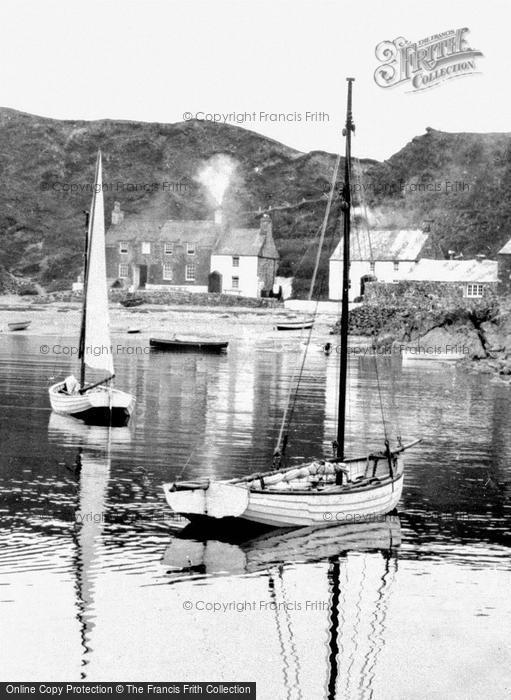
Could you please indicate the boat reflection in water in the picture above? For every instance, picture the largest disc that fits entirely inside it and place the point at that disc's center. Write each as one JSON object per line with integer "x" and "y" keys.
{"x": 92, "y": 471}
{"x": 356, "y": 564}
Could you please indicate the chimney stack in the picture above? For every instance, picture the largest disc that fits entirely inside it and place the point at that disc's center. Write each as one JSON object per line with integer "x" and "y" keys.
{"x": 117, "y": 214}
{"x": 265, "y": 224}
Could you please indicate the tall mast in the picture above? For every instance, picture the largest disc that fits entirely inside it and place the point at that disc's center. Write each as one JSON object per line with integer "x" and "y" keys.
{"x": 81, "y": 348}
{"x": 346, "y": 194}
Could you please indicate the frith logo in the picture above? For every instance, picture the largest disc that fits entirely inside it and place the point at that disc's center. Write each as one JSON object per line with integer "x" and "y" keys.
{"x": 427, "y": 62}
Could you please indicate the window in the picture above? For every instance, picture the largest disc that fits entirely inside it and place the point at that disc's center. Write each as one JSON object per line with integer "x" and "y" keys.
{"x": 235, "y": 261}
{"x": 372, "y": 266}
{"x": 190, "y": 272}
{"x": 167, "y": 271}
{"x": 396, "y": 265}
{"x": 169, "y": 248}
{"x": 475, "y": 290}
{"x": 190, "y": 248}
{"x": 124, "y": 270}
{"x": 235, "y": 282}
{"x": 123, "y": 247}
{"x": 146, "y": 248}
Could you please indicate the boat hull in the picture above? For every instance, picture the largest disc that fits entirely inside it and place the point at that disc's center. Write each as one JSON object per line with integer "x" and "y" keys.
{"x": 188, "y": 345}
{"x": 19, "y": 326}
{"x": 288, "y": 508}
{"x": 294, "y": 325}
{"x": 100, "y": 406}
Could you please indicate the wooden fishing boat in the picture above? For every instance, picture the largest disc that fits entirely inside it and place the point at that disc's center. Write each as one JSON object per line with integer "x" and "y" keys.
{"x": 339, "y": 489}
{"x": 133, "y": 330}
{"x": 18, "y": 325}
{"x": 295, "y": 325}
{"x": 189, "y": 344}
{"x": 96, "y": 402}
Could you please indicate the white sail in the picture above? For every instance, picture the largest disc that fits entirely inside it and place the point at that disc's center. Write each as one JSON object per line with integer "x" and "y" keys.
{"x": 98, "y": 350}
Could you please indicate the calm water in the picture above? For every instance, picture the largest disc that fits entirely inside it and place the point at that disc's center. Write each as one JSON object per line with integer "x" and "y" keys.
{"x": 95, "y": 585}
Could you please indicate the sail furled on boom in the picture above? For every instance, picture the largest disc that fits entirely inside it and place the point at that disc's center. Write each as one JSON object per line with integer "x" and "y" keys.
{"x": 98, "y": 351}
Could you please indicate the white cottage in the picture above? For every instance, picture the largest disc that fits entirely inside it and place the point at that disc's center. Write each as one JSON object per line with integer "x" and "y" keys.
{"x": 383, "y": 255}
{"x": 245, "y": 261}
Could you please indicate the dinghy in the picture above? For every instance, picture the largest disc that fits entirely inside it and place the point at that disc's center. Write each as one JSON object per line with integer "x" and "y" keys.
{"x": 295, "y": 325}
{"x": 189, "y": 344}
{"x": 340, "y": 489}
{"x": 19, "y": 325}
{"x": 95, "y": 402}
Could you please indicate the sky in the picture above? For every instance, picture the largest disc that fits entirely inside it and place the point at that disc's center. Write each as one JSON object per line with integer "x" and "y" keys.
{"x": 159, "y": 59}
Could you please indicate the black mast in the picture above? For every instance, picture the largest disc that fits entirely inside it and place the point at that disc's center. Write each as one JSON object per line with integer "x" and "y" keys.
{"x": 81, "y": 348}
{"x": 346, "y": 194}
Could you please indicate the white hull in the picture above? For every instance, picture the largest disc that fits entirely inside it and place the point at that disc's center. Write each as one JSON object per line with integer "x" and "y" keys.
{"x": 102, "y": 402}
{"x": 311, "y": 509}
{"x": 361, "y": 499}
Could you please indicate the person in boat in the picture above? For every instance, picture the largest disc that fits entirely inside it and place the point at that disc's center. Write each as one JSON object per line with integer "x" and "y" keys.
{"x": 71, "y": 386}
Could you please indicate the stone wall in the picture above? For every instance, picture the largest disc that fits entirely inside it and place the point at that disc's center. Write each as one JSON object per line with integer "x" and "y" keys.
{"x": 173, "y": 298}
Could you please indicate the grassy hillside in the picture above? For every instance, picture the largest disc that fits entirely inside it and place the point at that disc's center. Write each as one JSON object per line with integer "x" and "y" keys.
{"x": 46, "y": 168}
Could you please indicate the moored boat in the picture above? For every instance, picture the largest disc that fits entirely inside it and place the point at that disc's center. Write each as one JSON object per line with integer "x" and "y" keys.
{"x": 95, "y": 402}
{"x": 189, "y": 344}
{"x": 295, "y": 325}
{"x": 335, "y": 489}
{"x": 18, "y": 325}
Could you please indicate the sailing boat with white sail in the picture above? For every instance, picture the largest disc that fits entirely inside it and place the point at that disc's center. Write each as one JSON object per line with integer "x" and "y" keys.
{"x": 340, "y": 489}
{"x": 96, "y": 402}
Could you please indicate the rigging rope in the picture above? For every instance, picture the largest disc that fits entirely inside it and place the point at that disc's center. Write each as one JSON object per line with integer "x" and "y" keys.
{"x": 286, "y": 418}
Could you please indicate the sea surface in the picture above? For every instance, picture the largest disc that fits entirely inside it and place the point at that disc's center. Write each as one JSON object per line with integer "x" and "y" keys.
{"x": 97, "y": 582}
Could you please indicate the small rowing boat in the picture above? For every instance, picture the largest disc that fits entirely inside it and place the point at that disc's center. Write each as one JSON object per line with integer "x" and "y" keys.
{"x": 19, "y": 325}
{"x": 189, "y": 344}
{"x": 295, "y": 325}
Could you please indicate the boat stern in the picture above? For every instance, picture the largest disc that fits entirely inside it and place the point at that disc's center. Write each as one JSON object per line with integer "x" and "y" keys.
{"x": 212, "y": 499}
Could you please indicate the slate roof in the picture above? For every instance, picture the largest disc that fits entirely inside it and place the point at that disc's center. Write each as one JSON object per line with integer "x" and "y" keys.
{"x": 206, "y": 234}
{"x": 383, "y": 244}
{"x": 246, "y": 241}
{"x": 202, "y": 233}
{"x": 454, "y": 271}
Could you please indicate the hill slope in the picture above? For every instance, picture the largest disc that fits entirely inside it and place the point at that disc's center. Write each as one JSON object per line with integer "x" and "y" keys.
{"x": 46, "y": 167}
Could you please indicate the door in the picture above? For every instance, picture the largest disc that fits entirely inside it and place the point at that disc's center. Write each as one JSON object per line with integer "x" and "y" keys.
{"x": 364, "y": 280}
{"x": 215, "y": 282}
{"x": 143, "y": 276}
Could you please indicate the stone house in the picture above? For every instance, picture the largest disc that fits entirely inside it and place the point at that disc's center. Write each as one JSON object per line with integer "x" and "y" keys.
{"x": 196, "y": 256}
{"x": 382, "y": 255}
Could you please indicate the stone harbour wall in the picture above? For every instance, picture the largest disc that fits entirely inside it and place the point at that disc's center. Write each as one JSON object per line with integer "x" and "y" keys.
{"x": 173, "y": 298}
